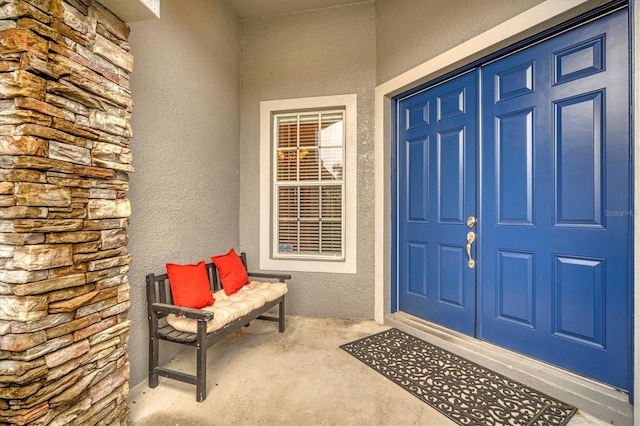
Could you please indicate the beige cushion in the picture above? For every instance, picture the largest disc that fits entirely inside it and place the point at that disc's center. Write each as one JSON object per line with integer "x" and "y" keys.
{"x": 270, "y": 291}
{"x": 228, "y": 308}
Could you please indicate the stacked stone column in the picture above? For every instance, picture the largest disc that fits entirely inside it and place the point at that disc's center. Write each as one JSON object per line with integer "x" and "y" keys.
{"x": 65, "y": 108}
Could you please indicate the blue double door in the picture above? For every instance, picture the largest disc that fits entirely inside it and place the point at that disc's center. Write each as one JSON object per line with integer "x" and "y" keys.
{"x": 513, "y": 216}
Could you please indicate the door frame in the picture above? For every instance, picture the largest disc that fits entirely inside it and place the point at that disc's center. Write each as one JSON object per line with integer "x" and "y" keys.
{"x": 541, "y": 20}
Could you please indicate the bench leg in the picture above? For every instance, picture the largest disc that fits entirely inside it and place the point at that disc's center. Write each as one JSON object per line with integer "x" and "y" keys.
{"x": 281, "y": 317}
{"x": 153, "y": 362}
{"x": 201, "y": 362}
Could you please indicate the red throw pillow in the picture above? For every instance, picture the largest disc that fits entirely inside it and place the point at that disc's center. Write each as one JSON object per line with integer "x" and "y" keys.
{"x": 190, "y": 286}
{"x": 233, "y": 274}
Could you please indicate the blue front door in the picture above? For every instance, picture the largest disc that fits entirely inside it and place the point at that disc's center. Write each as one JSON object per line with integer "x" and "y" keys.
{"x": 547, "y": 129}
{"x": 436, "y": 174}
{"x": 555, "y": 149}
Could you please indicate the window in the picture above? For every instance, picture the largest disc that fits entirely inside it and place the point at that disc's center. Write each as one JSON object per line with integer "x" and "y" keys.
{"x": 308, "y": 194}
{"x": 308, "y": 172}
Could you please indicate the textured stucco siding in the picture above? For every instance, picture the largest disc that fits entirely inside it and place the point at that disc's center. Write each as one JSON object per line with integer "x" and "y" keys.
{"x": 184, "y": 192}
{"x": 324, "y": 52}
{"x": 409, "y": 32}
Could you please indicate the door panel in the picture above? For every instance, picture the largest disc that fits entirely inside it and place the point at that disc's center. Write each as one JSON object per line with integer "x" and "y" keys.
{"x": 515, "y": 287}
{"x": 436, "y": 192}
{"x": 514, "y": 167}
{"x": 578, "y": 152}
{"x": 554, "y": 261}
{"x": 580, "y": 300}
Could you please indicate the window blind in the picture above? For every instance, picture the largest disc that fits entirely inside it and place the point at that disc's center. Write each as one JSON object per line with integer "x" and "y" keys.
{"x": 309, "y": 184}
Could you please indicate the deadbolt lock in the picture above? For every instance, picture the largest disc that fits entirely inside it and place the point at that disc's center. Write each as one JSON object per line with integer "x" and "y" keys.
{"x": 471, "y": 222}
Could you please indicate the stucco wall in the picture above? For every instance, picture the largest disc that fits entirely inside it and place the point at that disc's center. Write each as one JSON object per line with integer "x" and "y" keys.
{"x": 184, "y": 192}
{"x": 409, "y": 32}
{"x": 324, "y": 52}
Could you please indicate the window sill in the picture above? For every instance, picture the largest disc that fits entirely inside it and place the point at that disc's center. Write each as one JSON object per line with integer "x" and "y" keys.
{"x": 294, "y": 265}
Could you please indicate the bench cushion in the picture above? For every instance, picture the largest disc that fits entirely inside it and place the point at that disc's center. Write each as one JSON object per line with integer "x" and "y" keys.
{"x": 228, "y": 308}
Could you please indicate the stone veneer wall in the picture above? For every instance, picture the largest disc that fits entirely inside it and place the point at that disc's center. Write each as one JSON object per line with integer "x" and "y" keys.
{"x": 65, "y": 107}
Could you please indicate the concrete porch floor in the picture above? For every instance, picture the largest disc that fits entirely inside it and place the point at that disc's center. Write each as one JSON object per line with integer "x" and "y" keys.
{"x": 258, "y": 376}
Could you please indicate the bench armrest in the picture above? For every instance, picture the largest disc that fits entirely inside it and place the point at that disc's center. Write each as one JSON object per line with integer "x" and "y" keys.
{"x": 280, "y": 277}
{"x": 197, "y": 314}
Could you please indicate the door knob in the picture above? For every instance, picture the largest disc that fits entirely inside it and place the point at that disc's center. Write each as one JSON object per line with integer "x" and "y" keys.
{"x": 471, "y": 238}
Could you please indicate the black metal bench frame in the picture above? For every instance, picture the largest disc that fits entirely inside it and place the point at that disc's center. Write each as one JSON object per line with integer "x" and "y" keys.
{"x": 160, "y": 304}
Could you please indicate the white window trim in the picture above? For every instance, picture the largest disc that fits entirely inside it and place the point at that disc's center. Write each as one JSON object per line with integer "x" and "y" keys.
{"x": 267, "y": 109}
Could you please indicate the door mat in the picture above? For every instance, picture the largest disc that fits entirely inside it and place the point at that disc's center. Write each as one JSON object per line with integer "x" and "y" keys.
{"x": 467, "y": 393}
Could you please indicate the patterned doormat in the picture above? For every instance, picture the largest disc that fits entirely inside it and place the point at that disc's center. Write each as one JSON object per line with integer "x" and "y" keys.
{"x": 467, "y": 393}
